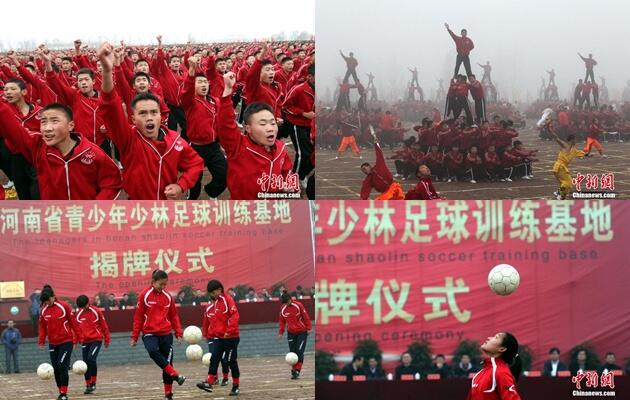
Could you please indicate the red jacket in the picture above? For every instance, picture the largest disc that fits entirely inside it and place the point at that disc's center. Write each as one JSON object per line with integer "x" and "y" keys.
{"x": 127, "y": 93}
{"x": 454, "y": 160}
{"x": 149, "y": 165}
{"x": 461, "y": 89}
{"x": 86, "y": 173}
{"x": 220, "y": 320}
{"x": 58, "y": 323}
{"x": 510, "y": 159}
{"x": 92, "y": 325}
{"x": 491, "y": 159}
{"x": 424, "y": 190}
{"x": 256, "y": 91}
{"x": 434, "y": 159}
{"x": 493, "y": 382}
{"x": 380, "y": 178}
{"x": 295, "y": 318}
{"x": 87, "y": 120}
{"x": 250, "y": 163}
{"x": 476, "y": 90}
{"x": 300, "y": 99}
{"x": 156, "y": 314}
{"x": 201, "y": 114}
{"x": 503, "y": 137}
{"x": 463, "y": 44}
{"x": 473, "y": 161}
{"x": 594, "y": 131}
{"x": 172, "y": 82}
{"x": 283, "y": 79}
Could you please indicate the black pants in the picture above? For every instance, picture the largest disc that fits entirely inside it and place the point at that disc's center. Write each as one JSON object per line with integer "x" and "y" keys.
{"x": 5, "y": 160}
{"x": 301, "y": 139}
{"x": 243, "y": 107}
{"x": 106, "y": 146}
{"x": 90, "y": 353}
{"x": 297, "y": 345}
{"x": 177, "y": 117}
{"x": 589, "y": 72}
{"x": 351, "y": 72}
{"x": 215, "y": 161}
{"x": 25, "y": 178}
{"x": 458, "y": 62}
{"x": 12, "y": 354}
{"x": 461, "y": 104}
{"x": 229, "y": 346}
{"x": 35, "y": 321}
{"x": 310, "y": 187}
{"x": 387, "y": 138}
{"x": 160, "y": 349}
{"x": 480, "y": 110}
{"x": 60, "y": 360}
{"x": 224, "y": 363}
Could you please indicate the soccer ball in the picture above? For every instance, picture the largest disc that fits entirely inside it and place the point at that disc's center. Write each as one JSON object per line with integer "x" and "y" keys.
{"x": 205, "y": 360}
{"x": 503, "y": 279}
{"x": 79, "y": 367}
{"x": 45, "y": 371}
{"x": 291, "y": 358}
{"x": 192, "y": 334}
{"x": 194, "y": 352}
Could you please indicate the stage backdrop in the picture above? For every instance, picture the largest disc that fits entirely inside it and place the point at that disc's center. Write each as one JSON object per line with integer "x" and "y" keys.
{"x": 397, "y": 272}
{"x": 88, "y": 247}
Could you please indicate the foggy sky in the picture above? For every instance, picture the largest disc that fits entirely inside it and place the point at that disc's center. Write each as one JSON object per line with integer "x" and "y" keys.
{"x": 139, "y": 21}
{"x": 521, "y": 39}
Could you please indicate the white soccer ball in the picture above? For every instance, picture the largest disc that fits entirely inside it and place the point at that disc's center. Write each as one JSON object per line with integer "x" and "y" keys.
{"x": 45, "y": 371}
{"x": 503, "y": 279}
{"x": 291, "y": 358}
{"x": 79, "y": 367}
{"x": 192, "y": 334}
{"x": 194, "y": 352}
{"x": 205, "y": 360}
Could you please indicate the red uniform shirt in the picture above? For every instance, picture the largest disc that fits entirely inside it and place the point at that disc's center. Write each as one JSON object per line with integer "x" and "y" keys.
{"x": 295, "y": 318}
{"x": 434, "y": 159}
{"x": 257, "y": 91}
{"x": 300, "y": 99}
{"x": 156, "y": 314}
{"x": 463, "y": 44}
{"x": 85, "y": 173}
{"x": 493, "y": 382}
{"x": 476, "y": 90}
{"x": 220, "y": 320}
{"x": 424, "y": 190}
{"x": 58, "y": 323}
{"x": 149, "y": 165}
{"x": 93, "y": 326}
{"x": 201, "y": 114}
{"x": 454, "y": 160}
{"x": 127, "y": 93}
{"x": 491, "y": 159}
{"x": 380, "y": 178}
{"x": 250, "y": 163}
{"x": 172, "y": 82}
{"x": 461, "y": 89}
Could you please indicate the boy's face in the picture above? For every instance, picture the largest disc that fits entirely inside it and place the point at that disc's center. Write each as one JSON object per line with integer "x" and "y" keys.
{"x": 288, "y": 66}
{"x": 146, "y": 117}
{"x": 250, "y": 60}
{"x": 262, "y": 128}
{"x": 201, "y": 86}
{"x": 66, "y": 65}
{"x": 222, "y": 67}
{"x": 13, "y": 93}
{"x": 228, "y": 64}
{"x": 141, "y": 84}
{"x": 267, "y": 74}
{"x": 142, "y": 66}
{"x": 85, "y": 83}
{"x": 55, "y": 127}
{"x": 366, "y": 169}
{"x": 134, "y": 57}
{"x": 174, "y": 63}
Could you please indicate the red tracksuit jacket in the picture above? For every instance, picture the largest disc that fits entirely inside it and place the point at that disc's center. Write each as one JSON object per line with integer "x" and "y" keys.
{"x": 301, "y": 98}
{"x": 220, "y": 320}
{"x": 172, "y": 83}
{"x": 424, "y": 190}
{"x": 380, "y": 178}
{"x": 463, "y": 44}
{"x": 248, "y": 161}
{"x": 149, "y": 165}
{"x": 156, "y": 314}
{"x": 295, "y": 318}
{"x": 84, "y": 109}
{"x": 256, "y": 91}
{"x": 58, "y": 323}
{"x": 201, "y": 114}
{"x": 127, "y": 93}
{"x": 92, "y": 325}
{"x": 493, "y": 382}
{"x": 86, "y": 173}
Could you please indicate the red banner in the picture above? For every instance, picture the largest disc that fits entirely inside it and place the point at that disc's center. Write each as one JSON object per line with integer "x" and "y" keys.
{"x": 397, "y": 272}
{"x": 88, "y": 247}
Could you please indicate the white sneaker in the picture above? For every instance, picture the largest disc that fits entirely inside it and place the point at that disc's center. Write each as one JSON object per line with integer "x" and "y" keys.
{"x": 397, "y": 175}
{"x": 527, "y": 177}
{"x": 449, "y": 180}
{"x": 604, "y": 156}
{"x": 502, "y": 179}
{"x": 360, "y": 157}
{"x": 531, "y": 176}
{"x": 303, "y": 183}
{"x": 8, "y": 185}
{"x": 473, "y": 181}
{"x": 508, "y": 180}
{"x": 336, "y": 157}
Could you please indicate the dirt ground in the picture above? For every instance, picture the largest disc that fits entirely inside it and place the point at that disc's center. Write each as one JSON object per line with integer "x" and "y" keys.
{"x": 262, "y": 378}
{"x": 341, "y": 178}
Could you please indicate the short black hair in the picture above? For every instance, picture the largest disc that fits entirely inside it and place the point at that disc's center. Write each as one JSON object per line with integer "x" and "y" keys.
{"x": 144, "y": 96}
{"x": 158, "y": 274}
{"x": 554, "y": 350}
{"x": 139, "y": 60}
{"x": 214, "y": 285}
{"x": 47, "y": 293}
{"x": 66, "y": 59}
{"x": 19, "y": 82}
{"x": 285, "y": 59}
{"x": 357, "y": 357}
{"x": 220, "y": 59}
{"x": 254, "y": 108}
{"x": 517, "y": 143}
{"x": 285, "y": 297}
{"x": 82, "y": 301}
{"x": 365, "y": 164}
{"x": 610, "y": 353}
{"x": 59, "y": 107}
{"x": 140, "y": 74}
{"x": 311, "y": 69}
{"x": 174, "y": 56}
{"x": 86, "y": 71}
{"x": 440, "y": 355}
{"x": 266, "y": 62}
{"x": 570, "y": 137}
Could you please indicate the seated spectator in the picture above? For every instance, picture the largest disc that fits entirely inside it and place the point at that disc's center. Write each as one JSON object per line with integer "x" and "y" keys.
{"x": 234, "y": 295}
{"x": 265, "y": 295}
{"x": 464, "y": 368}
{"x": 112, "y": 304}
{"x": 97, "y": 301}
{"x": 181, "y": 298}
{"x": 374, "y": 371}
{"x": 353, "y": 368}
{"x": 251, "y": 295}
{"x": 405, "y": 367}
{"x": 610, "y": 364}
{"x": 581, "y": 363}
{"x": 124, "y": 302}
{"x": 553, "y": 365}
{"x": 299, "y": 292}
{"x": 440, "y": 367}
{"x": 199, "y": 298}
